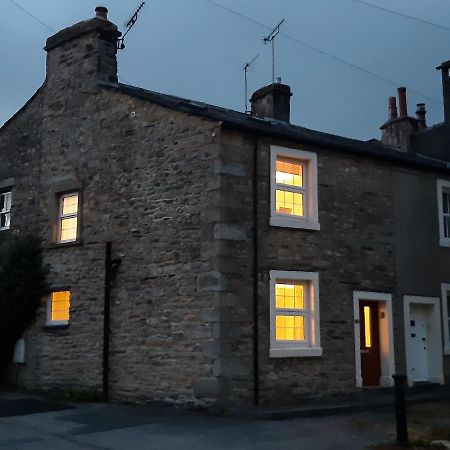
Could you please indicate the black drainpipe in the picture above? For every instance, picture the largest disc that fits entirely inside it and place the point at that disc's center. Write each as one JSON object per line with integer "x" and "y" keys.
{"x": 255, "y": 275}
{"x": 106, "y": 321}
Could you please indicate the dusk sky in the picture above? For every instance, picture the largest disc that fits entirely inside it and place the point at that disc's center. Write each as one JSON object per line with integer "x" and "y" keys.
{"x": 197, "y": 49}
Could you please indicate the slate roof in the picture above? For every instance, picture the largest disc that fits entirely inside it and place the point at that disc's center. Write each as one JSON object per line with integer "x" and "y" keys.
{"x": 281, "y": 130}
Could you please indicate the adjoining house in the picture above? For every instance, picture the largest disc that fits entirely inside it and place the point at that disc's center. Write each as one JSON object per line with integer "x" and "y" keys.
{"x": 247, "y": 259}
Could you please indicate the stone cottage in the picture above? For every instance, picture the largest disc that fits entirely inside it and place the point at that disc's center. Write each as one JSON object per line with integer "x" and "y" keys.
{"x": 205, "y": 256}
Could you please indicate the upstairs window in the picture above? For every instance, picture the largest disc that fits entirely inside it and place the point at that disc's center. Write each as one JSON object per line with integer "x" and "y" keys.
{"x": 5, "y": 210}
{"x": 446, "y": 316}
{"x": 58, "y": 308}
{"x": 294, "y": 314}
{"x": 68, "y": 217}
{"x": 443, "y": 188}
{"x": 294, "y": 189}
{"x": 290, "y": 191}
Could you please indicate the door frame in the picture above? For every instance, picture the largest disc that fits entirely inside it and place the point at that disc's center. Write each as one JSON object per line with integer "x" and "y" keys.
{"x": 436, "y": 354}
{"x": 386, "y": 331}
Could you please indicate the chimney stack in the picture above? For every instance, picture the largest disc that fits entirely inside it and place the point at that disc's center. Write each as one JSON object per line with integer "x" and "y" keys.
{"x": 392, "y": 108}
{"x": 272, "y": 101}
{"x": 420, "y": 114}
{"x": 83, "y": 53}
{"x": 101, "y": 13}
{"x": 398, "y": 129}
{"x": 402, "y": 103}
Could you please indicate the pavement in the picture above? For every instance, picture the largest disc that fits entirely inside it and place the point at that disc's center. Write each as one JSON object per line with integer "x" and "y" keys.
{"x": 366, "y": 400}
{"x": 34, "y": 422}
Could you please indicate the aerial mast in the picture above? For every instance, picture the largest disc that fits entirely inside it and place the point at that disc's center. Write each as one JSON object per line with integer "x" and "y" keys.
{"x": 246, "y": 67}
{"x": 128, "y": 26}
{"x": 271, "y": 38}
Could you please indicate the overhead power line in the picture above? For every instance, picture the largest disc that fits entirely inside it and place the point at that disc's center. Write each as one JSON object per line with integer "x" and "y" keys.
{"x": 33, "y": 16}
{"x": 398, "y": 13}
{"x": 323, "y": 52}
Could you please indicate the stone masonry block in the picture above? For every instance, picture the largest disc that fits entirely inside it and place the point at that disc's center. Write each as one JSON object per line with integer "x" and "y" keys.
{"x": 212, "y": 282}
{"x": 207, "y": 387}
{"x": 230, "y": 232}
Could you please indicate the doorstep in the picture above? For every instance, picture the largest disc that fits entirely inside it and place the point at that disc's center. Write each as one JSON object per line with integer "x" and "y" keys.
{"x": 366, "y": 400}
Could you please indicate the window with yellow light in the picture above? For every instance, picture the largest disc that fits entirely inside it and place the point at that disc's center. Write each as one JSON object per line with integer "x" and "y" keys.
{"x": 59, "y": 307}
{"x": 294, "y": 314}
{"x": 289, "y": 311}
{"x": 68, "y": 217}
{"x": 290, "y": 187}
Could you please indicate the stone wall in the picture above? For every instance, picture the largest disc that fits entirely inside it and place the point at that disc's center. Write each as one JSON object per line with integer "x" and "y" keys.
{"x": 146, "y": 181}
{"x": 352, "y": 251}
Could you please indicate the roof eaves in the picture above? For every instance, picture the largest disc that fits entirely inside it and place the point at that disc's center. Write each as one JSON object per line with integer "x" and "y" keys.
{"x": 280, "y": 130}
{"x": 22, "y": 108}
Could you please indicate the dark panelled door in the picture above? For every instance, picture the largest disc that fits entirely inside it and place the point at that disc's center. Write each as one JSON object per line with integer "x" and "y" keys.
{"x": 370, "y": 343}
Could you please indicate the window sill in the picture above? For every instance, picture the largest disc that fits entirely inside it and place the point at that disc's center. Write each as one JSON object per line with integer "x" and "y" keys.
{"x": 52, "y": 245}
{"x": 57, "y": 323}
{"x": 295, "y": 352}
{"x": 55, "y": 326}
{"x": 289, "y": 222}
{"x": 444, "y": 242}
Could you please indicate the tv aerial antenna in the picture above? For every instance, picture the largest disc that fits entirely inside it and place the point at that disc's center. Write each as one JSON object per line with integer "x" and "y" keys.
{"x": 246, "y": 67}
{"x": 271, "y": 38}
{"x": 128, "y": 26}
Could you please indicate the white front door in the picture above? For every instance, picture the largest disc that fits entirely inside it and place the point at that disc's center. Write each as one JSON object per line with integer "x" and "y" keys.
{"x": 419, "y": 320}
{"x": 423, "y": 339}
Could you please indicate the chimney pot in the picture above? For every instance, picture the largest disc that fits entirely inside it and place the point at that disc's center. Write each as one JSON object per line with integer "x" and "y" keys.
{"x": 278, "y": 80}
{"x": 420, "y": 114}
{"x": 101, "y": 13}
{"x": 393, "y": 108}
{"x": 402, "y": 102}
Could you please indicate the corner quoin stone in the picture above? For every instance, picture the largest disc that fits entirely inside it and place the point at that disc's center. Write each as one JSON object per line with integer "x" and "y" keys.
{"x": 212, "y": 282}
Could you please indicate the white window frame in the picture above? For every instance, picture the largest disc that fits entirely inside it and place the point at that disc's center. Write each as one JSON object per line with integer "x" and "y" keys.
{"x": 308, "y": 160}
{"x": 54, "y": 323}
{"x": 311, "y": 345}
{"x": 444, "y": 241}
{"x": 8, "y": 201}
{"x": 445, "y": 289}
{"x": 62, "y": 216}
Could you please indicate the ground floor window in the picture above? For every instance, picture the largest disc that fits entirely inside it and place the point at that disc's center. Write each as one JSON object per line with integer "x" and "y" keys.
{"x": 294, "y": 314}
{"x": 58, "y": 308}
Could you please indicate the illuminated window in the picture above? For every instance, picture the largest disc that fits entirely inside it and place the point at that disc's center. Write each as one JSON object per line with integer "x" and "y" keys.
{"x": 444, "y": 211}
{"x": 5, "y": 210}
{"x": 58, "y": 309}
{"x": 446, "y": 316}
{"x": 294, "y": 314}
{"x": 68, "y": 217}
{"x": 367, "y": 328}
{"x": 294, "y": 188}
